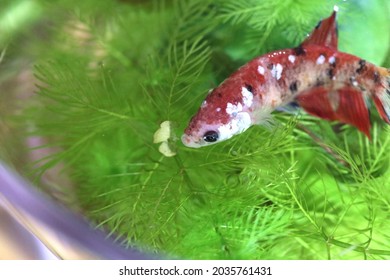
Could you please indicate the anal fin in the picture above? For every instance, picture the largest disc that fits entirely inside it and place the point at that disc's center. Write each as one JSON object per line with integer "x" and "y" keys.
{"x": 316, "y": 102}
{"x": 345, "y": 104}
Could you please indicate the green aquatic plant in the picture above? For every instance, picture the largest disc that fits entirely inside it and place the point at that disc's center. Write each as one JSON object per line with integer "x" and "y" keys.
{"x": 302, "y": 189}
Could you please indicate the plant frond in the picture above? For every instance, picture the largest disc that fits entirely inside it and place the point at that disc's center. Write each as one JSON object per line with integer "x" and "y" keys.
{"x": 114, "y": 72}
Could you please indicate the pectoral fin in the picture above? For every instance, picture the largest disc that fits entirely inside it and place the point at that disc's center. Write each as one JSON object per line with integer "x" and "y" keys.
{"x": 290, "y": 108}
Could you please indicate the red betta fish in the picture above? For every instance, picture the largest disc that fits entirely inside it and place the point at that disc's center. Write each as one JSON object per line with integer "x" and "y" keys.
{"x": 325, "y": 82}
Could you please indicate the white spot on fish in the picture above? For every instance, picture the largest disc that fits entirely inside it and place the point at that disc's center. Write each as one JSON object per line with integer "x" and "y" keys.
{"x": 261, "y": 70}
{"x": 276, "y": 71}
{"x": 332, "y": 60}
{"x": 247, "y": 97}
{"x": 204, "y": 104}
{"x": 291, "y": 58}
{"x": 320, "y": 59}
{"x": 237, "y": 125}
{"x": 218, "y": 109}
{"x": 354, "y": 82}
{"x": 232, "y": 109}
{"x": 336, "y": 8}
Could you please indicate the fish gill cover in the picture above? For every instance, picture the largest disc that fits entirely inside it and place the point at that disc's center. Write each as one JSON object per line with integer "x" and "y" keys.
{"x": 116, "y": 85}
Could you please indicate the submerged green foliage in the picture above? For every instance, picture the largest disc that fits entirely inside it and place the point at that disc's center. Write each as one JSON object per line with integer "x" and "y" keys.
{"x": 304, "y": 189}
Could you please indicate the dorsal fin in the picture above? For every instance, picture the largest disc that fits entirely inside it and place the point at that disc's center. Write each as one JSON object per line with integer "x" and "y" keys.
{"x": 325, "y": 33}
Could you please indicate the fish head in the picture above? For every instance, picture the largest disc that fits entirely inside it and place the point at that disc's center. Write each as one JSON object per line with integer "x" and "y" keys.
{"x": 225, "y": 112}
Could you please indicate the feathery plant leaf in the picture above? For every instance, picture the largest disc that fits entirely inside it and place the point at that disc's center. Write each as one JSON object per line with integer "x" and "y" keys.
{"x": 115, "y": 72}
{"x": 186, "y": 62}
{"x": 264, "y": 21}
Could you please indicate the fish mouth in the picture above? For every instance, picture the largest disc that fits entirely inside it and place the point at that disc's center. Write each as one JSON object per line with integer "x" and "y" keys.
{"x": 188, "y": 141}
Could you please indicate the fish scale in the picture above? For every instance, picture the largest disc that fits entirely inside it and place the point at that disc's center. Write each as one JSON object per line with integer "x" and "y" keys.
{"x": 325, "y": 82}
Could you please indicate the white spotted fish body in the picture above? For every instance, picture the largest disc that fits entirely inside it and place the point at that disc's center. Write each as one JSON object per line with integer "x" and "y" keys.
{"x": 325, "y": 82}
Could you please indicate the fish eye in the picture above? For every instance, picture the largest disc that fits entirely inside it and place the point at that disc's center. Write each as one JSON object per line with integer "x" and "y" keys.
{"x": 249, "y": 88}
{"x": 210, "y": 136}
